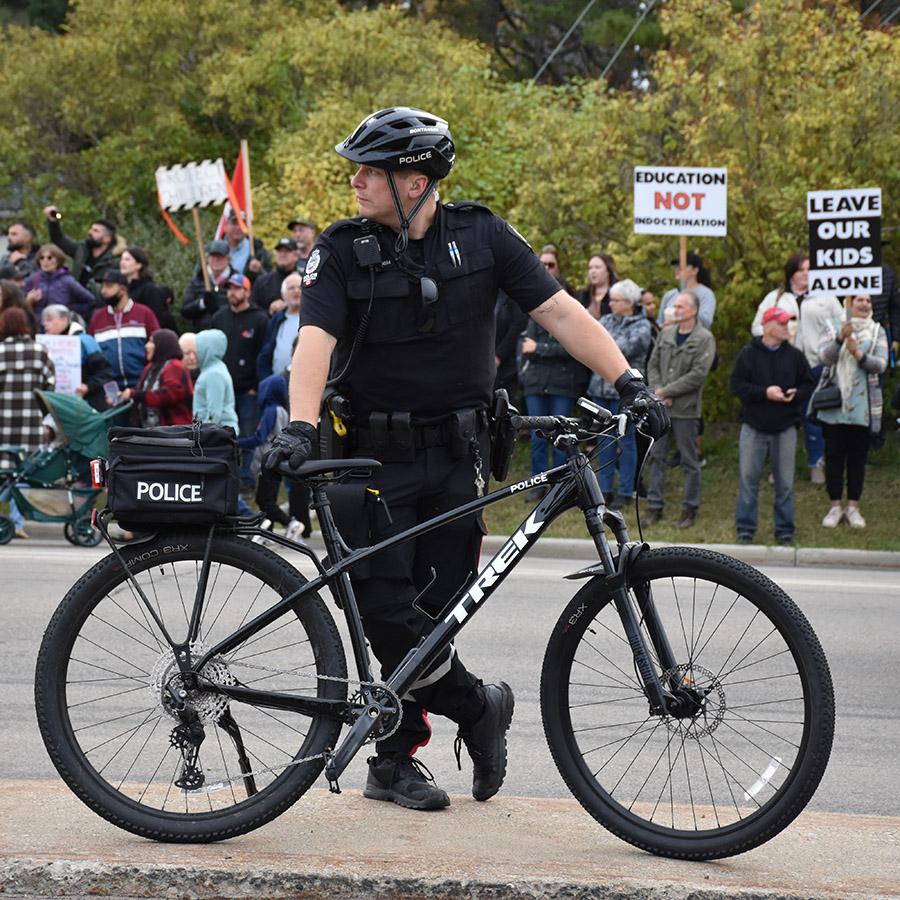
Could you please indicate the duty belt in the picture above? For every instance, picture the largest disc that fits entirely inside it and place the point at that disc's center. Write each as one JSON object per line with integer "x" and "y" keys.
{"x": 393, "y": 432}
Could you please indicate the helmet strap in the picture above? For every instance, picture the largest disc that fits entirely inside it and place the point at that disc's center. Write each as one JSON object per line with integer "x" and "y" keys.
{"x": 405, "y": 221}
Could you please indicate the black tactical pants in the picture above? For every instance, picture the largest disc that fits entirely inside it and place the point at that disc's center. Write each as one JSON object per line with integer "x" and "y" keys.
{"x": 433, "y": 482}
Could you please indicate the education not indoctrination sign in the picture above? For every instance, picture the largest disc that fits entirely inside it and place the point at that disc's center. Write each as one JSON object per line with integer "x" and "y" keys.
{"x": 844, "y": 242}
{"x": 680, "y": 200}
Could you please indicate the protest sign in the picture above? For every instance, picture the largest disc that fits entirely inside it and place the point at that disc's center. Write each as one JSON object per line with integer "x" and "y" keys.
{"x": 844, "y": 242}
{"x": 196, "y": 184}
{"x": 190, "y": 187}
{"x": 65, "y": 351}
{"x": 680, "y": 200}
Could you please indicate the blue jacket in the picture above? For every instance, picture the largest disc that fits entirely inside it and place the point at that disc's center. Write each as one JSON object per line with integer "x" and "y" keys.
{"x": 272, "y": 397}
{"x": 122, "y": 336}
{"x": 214, "y": 390}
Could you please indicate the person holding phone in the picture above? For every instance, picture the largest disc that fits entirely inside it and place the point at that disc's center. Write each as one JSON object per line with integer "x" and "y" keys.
{"x": 773, "y": 380}
{"x": 857, "y": 352}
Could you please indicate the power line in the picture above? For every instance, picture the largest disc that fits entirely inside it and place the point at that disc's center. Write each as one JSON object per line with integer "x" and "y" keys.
{"x": 863, "y": 15}
{"x": 641, "y": 18}
{"x": 564, "y": 38}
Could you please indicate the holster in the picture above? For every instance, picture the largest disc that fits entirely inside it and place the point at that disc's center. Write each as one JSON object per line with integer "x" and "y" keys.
{"x": 335, "y": 418}
{"x": 463, "y": 428}
{"x": 503, "y": 435}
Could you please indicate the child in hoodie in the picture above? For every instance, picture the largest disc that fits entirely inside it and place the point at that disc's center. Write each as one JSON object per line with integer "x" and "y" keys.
{"x": 273, "y": 401}
{"x": 214, "y": 390}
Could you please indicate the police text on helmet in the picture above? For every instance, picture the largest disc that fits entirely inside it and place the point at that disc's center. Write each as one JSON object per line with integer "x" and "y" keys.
{"x": 407, "y": 160}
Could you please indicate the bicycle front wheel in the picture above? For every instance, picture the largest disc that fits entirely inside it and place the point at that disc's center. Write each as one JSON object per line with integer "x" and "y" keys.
{"x": 105, "y": 676}
{"x": 747, "y": 751}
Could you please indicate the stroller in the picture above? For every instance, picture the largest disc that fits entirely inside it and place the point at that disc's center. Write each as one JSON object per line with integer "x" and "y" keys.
{"x": 53, "y": 484}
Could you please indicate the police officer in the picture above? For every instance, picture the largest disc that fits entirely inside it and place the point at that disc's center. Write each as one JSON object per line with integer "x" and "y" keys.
{"x": 398, "y": 305}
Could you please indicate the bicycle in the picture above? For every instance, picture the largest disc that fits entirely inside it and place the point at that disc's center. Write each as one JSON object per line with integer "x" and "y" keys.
{"x": 192, "y": 687}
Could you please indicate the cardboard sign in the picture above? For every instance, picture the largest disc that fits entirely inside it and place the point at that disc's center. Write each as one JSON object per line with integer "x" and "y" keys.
{"x": 682, "y": 201}
{"x": 844, "y": 242}
{"x": 196, "y": 184}
{"x": 65, "y": 351}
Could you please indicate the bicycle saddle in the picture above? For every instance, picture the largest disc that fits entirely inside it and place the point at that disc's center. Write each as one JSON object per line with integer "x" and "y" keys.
{"x": 316, "y": 467}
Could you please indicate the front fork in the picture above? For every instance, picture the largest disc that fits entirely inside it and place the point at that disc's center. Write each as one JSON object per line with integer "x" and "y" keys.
{"x": 616, "y": 572}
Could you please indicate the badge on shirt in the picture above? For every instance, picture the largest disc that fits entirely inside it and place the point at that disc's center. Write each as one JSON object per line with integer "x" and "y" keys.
{"x": 312, "y": 267}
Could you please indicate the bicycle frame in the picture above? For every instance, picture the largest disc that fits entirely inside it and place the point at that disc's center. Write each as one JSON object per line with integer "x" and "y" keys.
{"x": 572, "y": 484}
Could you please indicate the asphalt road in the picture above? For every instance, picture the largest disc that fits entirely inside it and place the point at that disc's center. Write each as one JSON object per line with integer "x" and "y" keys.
{"x": 856, "y": 614}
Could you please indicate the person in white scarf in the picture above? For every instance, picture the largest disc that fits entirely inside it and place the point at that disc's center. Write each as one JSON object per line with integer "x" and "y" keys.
{"x": 857, "y": 352}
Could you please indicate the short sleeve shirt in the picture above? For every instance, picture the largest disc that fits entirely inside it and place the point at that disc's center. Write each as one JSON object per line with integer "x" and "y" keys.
{"x": 425, "y": 358}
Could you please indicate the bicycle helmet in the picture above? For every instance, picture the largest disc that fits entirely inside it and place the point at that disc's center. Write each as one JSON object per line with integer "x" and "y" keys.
{"x": 402, "y": 137}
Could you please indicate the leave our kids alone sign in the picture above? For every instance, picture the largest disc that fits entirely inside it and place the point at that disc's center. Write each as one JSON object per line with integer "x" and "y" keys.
{"x": 682, "y": 200}
{"x": 844, "y": 242}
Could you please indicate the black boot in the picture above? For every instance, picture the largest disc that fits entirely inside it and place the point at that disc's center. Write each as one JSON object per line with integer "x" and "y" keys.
{"x": 405, "y": 781}
{"x": 486, "y": 740}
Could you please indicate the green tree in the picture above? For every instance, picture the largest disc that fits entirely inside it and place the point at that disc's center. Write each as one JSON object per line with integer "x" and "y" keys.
{"x": 788, "y": 97}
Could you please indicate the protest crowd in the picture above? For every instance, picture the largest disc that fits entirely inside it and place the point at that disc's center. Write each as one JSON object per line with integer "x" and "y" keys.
{"x": 231, "y": 361}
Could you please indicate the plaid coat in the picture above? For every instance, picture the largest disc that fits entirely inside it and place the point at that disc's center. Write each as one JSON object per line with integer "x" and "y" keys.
{"x": 24, "y": 366}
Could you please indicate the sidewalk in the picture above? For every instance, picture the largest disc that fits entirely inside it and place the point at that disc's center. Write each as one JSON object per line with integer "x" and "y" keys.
{"x": 343, "y": 846}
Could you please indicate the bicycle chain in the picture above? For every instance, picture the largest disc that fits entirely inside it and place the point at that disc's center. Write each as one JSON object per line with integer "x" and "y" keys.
{"x": 218, "y": 785}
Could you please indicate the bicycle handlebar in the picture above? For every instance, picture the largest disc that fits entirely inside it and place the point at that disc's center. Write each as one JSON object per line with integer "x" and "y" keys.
{"x": 602, "y": 417}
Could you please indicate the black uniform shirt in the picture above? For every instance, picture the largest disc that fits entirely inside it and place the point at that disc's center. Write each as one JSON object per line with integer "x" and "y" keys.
{"x": 428, "y": 360}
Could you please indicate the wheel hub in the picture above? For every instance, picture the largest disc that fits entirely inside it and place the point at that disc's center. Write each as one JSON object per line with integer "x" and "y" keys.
{"x": 167, "y": 683}
{"x": 698, "y": 697}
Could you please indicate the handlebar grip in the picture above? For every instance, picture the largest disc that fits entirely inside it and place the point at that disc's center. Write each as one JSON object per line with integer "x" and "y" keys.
{"x": 520, "y": 423}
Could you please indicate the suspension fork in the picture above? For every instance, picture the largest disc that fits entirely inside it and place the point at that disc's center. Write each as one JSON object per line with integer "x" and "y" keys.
{"x": 593, "y": 506}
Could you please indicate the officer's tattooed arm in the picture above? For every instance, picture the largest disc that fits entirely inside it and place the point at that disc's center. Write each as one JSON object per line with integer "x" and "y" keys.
{"x": 309, "y": 372}
{"x": 581, "y": 334}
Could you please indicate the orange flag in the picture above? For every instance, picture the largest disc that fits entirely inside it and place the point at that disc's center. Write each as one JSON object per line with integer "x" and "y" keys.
{"x": 236, "y": 199}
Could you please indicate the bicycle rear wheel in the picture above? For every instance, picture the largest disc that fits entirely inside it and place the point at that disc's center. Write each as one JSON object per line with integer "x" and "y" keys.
{"x": 737, "y": 766}
{"x": 101, "y": 681}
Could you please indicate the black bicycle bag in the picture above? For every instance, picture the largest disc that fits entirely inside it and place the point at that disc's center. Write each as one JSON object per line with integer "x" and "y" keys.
{"x": 172, "y": 475}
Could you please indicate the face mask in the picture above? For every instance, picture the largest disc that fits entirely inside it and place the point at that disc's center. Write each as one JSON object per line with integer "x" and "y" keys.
{"x": 91, "y": 243}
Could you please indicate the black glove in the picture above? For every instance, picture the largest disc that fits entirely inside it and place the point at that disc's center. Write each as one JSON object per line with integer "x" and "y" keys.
{"x": 656, "y": 413}
{"x": 297, "y": 442}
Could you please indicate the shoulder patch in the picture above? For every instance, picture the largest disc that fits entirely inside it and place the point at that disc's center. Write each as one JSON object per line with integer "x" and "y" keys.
{"x": 514, "y": 231}
{"x": 466, "y": 206}
{"x": 314, "y": 264}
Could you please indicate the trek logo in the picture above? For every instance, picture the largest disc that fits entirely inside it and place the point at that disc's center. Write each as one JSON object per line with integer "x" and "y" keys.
{"x": 159, "y": 491}
{"x": 531, "y": 482}
{"x": 507, "y": 554}
{"x": 409, "y": 160}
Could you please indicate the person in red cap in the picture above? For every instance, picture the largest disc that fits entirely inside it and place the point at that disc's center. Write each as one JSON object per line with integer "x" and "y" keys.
{"x": 244, "y": 326}
{"x": 773, "y": 381}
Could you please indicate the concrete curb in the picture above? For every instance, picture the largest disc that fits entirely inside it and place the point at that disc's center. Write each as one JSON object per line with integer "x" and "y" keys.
{"x": 753, "y": 554}
{"x": 62, "y": 878}
{"x": 582, "y": 548}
